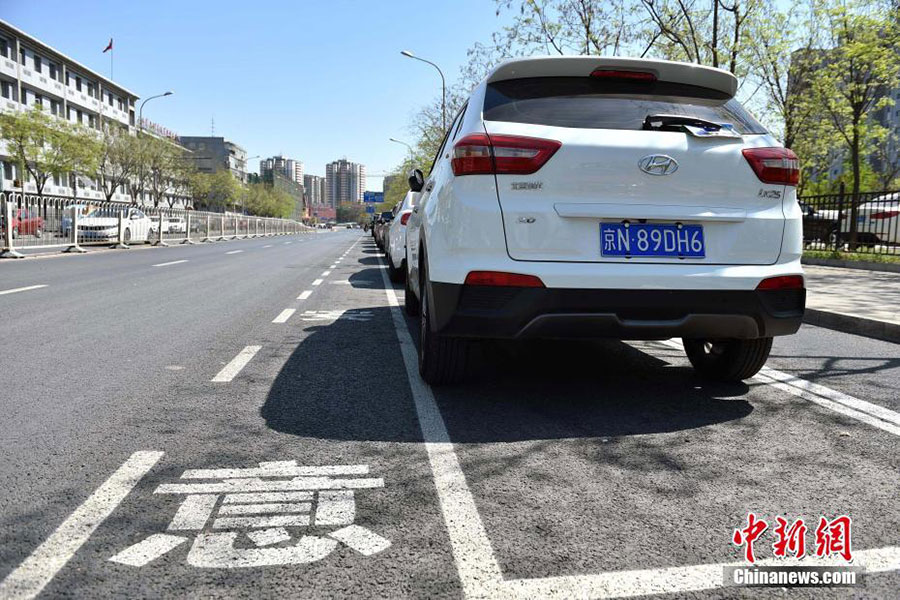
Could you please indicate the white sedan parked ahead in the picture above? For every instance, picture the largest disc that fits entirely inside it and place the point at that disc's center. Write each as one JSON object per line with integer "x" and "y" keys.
{"x": 395, "y": 244}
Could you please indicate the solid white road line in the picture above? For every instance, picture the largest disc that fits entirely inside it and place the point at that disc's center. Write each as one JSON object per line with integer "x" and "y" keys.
{"x": 479, "y": 571}
{"x": 284, "y": 315}
{"x": 234, "y": 252}
{"x": 867, "y": 412}
{"x": 317, "y": 282}
{"x": 174, "y": 262}
{"x": 22, "y": 289}
{"x": 304, "y": 295}
{"x": 237, "y": 363}
{"x": 36, "y": 571}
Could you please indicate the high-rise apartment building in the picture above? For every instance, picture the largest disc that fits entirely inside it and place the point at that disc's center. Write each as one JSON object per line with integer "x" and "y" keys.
{"x": 345, "y": 181}
{"x": 287, "y": 167}
{"x": 314, "y": 190}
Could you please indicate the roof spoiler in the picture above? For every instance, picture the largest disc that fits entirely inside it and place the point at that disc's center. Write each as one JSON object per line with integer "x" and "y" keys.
{"x": 583, "y": 66}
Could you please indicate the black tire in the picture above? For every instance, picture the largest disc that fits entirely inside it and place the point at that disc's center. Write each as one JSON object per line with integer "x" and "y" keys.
{"x": 126, "y": 237}
{"x": 728, "y": 360}
{"x": 442, "y": 359}
{"x": 15, "y": 232}
{"x": 410, "y": 302}
{"x": 394, "y": 274}
{"x": 38, "y": 232}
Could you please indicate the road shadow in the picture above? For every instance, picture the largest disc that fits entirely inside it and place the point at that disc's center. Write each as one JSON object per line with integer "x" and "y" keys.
{"x": 346, "y": 380}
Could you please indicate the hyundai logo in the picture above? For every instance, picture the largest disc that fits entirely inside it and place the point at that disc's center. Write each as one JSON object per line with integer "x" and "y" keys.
{"x": 658, "y": 164}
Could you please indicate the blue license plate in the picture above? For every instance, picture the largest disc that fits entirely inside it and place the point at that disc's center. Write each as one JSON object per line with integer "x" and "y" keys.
{"x": 646, "y": 239}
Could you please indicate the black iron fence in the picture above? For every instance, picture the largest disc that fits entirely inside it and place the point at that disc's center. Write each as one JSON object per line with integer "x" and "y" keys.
{"x": 868, "y": 223}
{"x": 30, "y": 221}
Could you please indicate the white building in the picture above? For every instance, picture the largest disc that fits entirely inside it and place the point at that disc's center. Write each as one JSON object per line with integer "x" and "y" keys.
{"x": 288, "y": 167}
{"x": 345, "y": 181}
{"x": 32, "y": 73}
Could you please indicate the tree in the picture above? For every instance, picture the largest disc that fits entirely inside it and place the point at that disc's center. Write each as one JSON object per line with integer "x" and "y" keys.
{"x": 119, "y": 159}
{"x": 850, "y": 86}
{"x": 44, "y": 146}
{"x": 224, "y": 190}
{"x": 165, "y": 162}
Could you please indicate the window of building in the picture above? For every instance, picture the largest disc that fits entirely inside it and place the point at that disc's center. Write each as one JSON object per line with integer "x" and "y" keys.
{"x": 92, "y": 121}
{"x": 22, "y": 55}
{"x": 4, "y": 48}
{"x": 52, "y": 68}
{"x": 57, "y": 179}
{"x": 24, "y": 98}
{"x": 121, "y": 105}
{"x": 38, "y": 100}
{"x": 110, "y": 98}
{"x": 90, "y": 89}
{"x": 56, "y": 108}
{"x": 78, "y": 83}
{"x": 80, "y": 119}
{"x": 9, "y": 171}
{"x": 37, "y": 63}
{"x": 6, "y": 89}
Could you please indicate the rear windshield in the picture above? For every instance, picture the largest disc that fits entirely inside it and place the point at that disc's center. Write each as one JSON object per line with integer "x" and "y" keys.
{"x": 592, "y": 103}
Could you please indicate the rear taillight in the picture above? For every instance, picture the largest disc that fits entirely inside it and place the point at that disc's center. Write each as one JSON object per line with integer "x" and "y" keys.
{"x": 774, "y": 165}
{"x": 500, "y": 279}
{"x": 887, "y": 214}
{"x": 628, "y": 75}
{"x": 782, "y": 282}
{"x": 404, "y": 218}
{"x": 480, "y": 154}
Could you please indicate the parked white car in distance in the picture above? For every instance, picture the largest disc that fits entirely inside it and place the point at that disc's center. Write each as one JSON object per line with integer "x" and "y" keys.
{"x": 395, "y": 248}
{"x": 591, "y": 197}
{"x": 102, "y": 224}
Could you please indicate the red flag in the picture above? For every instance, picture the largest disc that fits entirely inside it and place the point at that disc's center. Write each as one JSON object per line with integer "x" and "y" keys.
{"x": 109, "y": 47}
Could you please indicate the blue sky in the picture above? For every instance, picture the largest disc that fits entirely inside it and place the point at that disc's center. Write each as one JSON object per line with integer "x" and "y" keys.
{"x": 312, "y": 80}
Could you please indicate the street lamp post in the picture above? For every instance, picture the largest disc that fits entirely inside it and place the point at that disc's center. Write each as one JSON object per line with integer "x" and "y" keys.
{"x": 409, "y": 54}
{"x": 141, "y": 109}
{"x": 395, "y": 140}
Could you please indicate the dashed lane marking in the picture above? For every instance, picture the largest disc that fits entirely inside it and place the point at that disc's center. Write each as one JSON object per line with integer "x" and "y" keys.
{"x": 304, "y": 295}
{"x": 174, "y": 262}
{"x": 284, "y": 315}
{"x": 317, "y": 282}
{"x": 479, "y": 571}
{"x": 325, "y": 274}
{"x": 234, "y": 252}
{"x": 36, "y": 571}
{"x": 22, "y": 289}
{"x": 237, "y": 363}
{"x": 268, "y": 246}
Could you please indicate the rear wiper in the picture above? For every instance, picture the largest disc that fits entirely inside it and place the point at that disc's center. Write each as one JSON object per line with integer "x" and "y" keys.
{"x": 693, "y": 125}
{"x": 676, "y": 121}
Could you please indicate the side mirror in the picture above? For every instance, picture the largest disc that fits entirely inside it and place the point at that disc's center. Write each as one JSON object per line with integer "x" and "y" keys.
{"x": 416, "y": 180}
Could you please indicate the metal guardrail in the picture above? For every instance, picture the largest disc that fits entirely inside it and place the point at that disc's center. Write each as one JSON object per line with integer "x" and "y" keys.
{"x": 828, "y": 222}
{"x": 29, "y": 221}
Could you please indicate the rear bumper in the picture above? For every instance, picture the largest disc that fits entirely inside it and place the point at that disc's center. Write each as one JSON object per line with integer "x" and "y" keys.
{"x": 564, "y": 313}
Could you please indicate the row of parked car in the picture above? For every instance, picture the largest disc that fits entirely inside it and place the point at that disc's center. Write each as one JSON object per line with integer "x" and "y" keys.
{"x": 877, "y": 222}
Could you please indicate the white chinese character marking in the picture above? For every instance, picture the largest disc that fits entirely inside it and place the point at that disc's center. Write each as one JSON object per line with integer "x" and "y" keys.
{"x": 334, "y": 315}
{"x": 262, "y": 503}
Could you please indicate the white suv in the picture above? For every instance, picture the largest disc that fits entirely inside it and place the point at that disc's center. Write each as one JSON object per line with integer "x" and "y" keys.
{"x": 583, "y": 197}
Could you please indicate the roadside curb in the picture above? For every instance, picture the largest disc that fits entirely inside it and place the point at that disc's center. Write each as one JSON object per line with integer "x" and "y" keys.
{"x": 871, "y": 328}
{"x": 852, "y": 264}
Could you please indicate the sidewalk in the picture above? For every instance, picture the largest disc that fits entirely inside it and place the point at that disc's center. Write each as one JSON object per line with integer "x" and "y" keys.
{"x": 855, "y": 301}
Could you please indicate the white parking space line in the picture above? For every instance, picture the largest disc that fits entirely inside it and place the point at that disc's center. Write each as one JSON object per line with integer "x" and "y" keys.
{"x": 304, "y": 295}
{"x": 174, "y": 262}
{"x": 480, "y": 572}
{"x": 284, "y": 315}
{"x": 237, "y": 363}
{"x": 234, "y": 252}
{"x": 871, "y": 414}
{"x": 317, "y": 282}
{"x": 22, "y": 289}
{"x": 36, "y": 571}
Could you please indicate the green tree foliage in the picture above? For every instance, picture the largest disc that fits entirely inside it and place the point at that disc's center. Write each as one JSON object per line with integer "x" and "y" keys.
{"x": 265, "y": 201}
{"x": 44, "y": 146}
{"x": 350, "y": 212}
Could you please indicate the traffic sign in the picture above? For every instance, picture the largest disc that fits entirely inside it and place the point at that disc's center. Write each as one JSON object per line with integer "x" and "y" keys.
{"x": 370, "y": 209}
{"x": 375, "y": 197}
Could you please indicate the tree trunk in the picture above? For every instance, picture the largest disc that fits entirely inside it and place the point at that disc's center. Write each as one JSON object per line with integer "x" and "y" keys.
{"x": 854, "y": 197}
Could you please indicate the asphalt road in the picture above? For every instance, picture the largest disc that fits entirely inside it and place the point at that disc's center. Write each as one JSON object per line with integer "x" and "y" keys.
{"x": 558, "y": 470}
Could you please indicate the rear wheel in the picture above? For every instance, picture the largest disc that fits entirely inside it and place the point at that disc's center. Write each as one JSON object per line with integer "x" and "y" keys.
{"x": 394, "y": 274}
{"x": 728, "y": 360}
{"x": 410, "y": 302}
{"x": 442, "y": 359}
{"x": 15, "y": 232}
{"x": 38, "y": 232}
{"x": 127, "y": 236}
